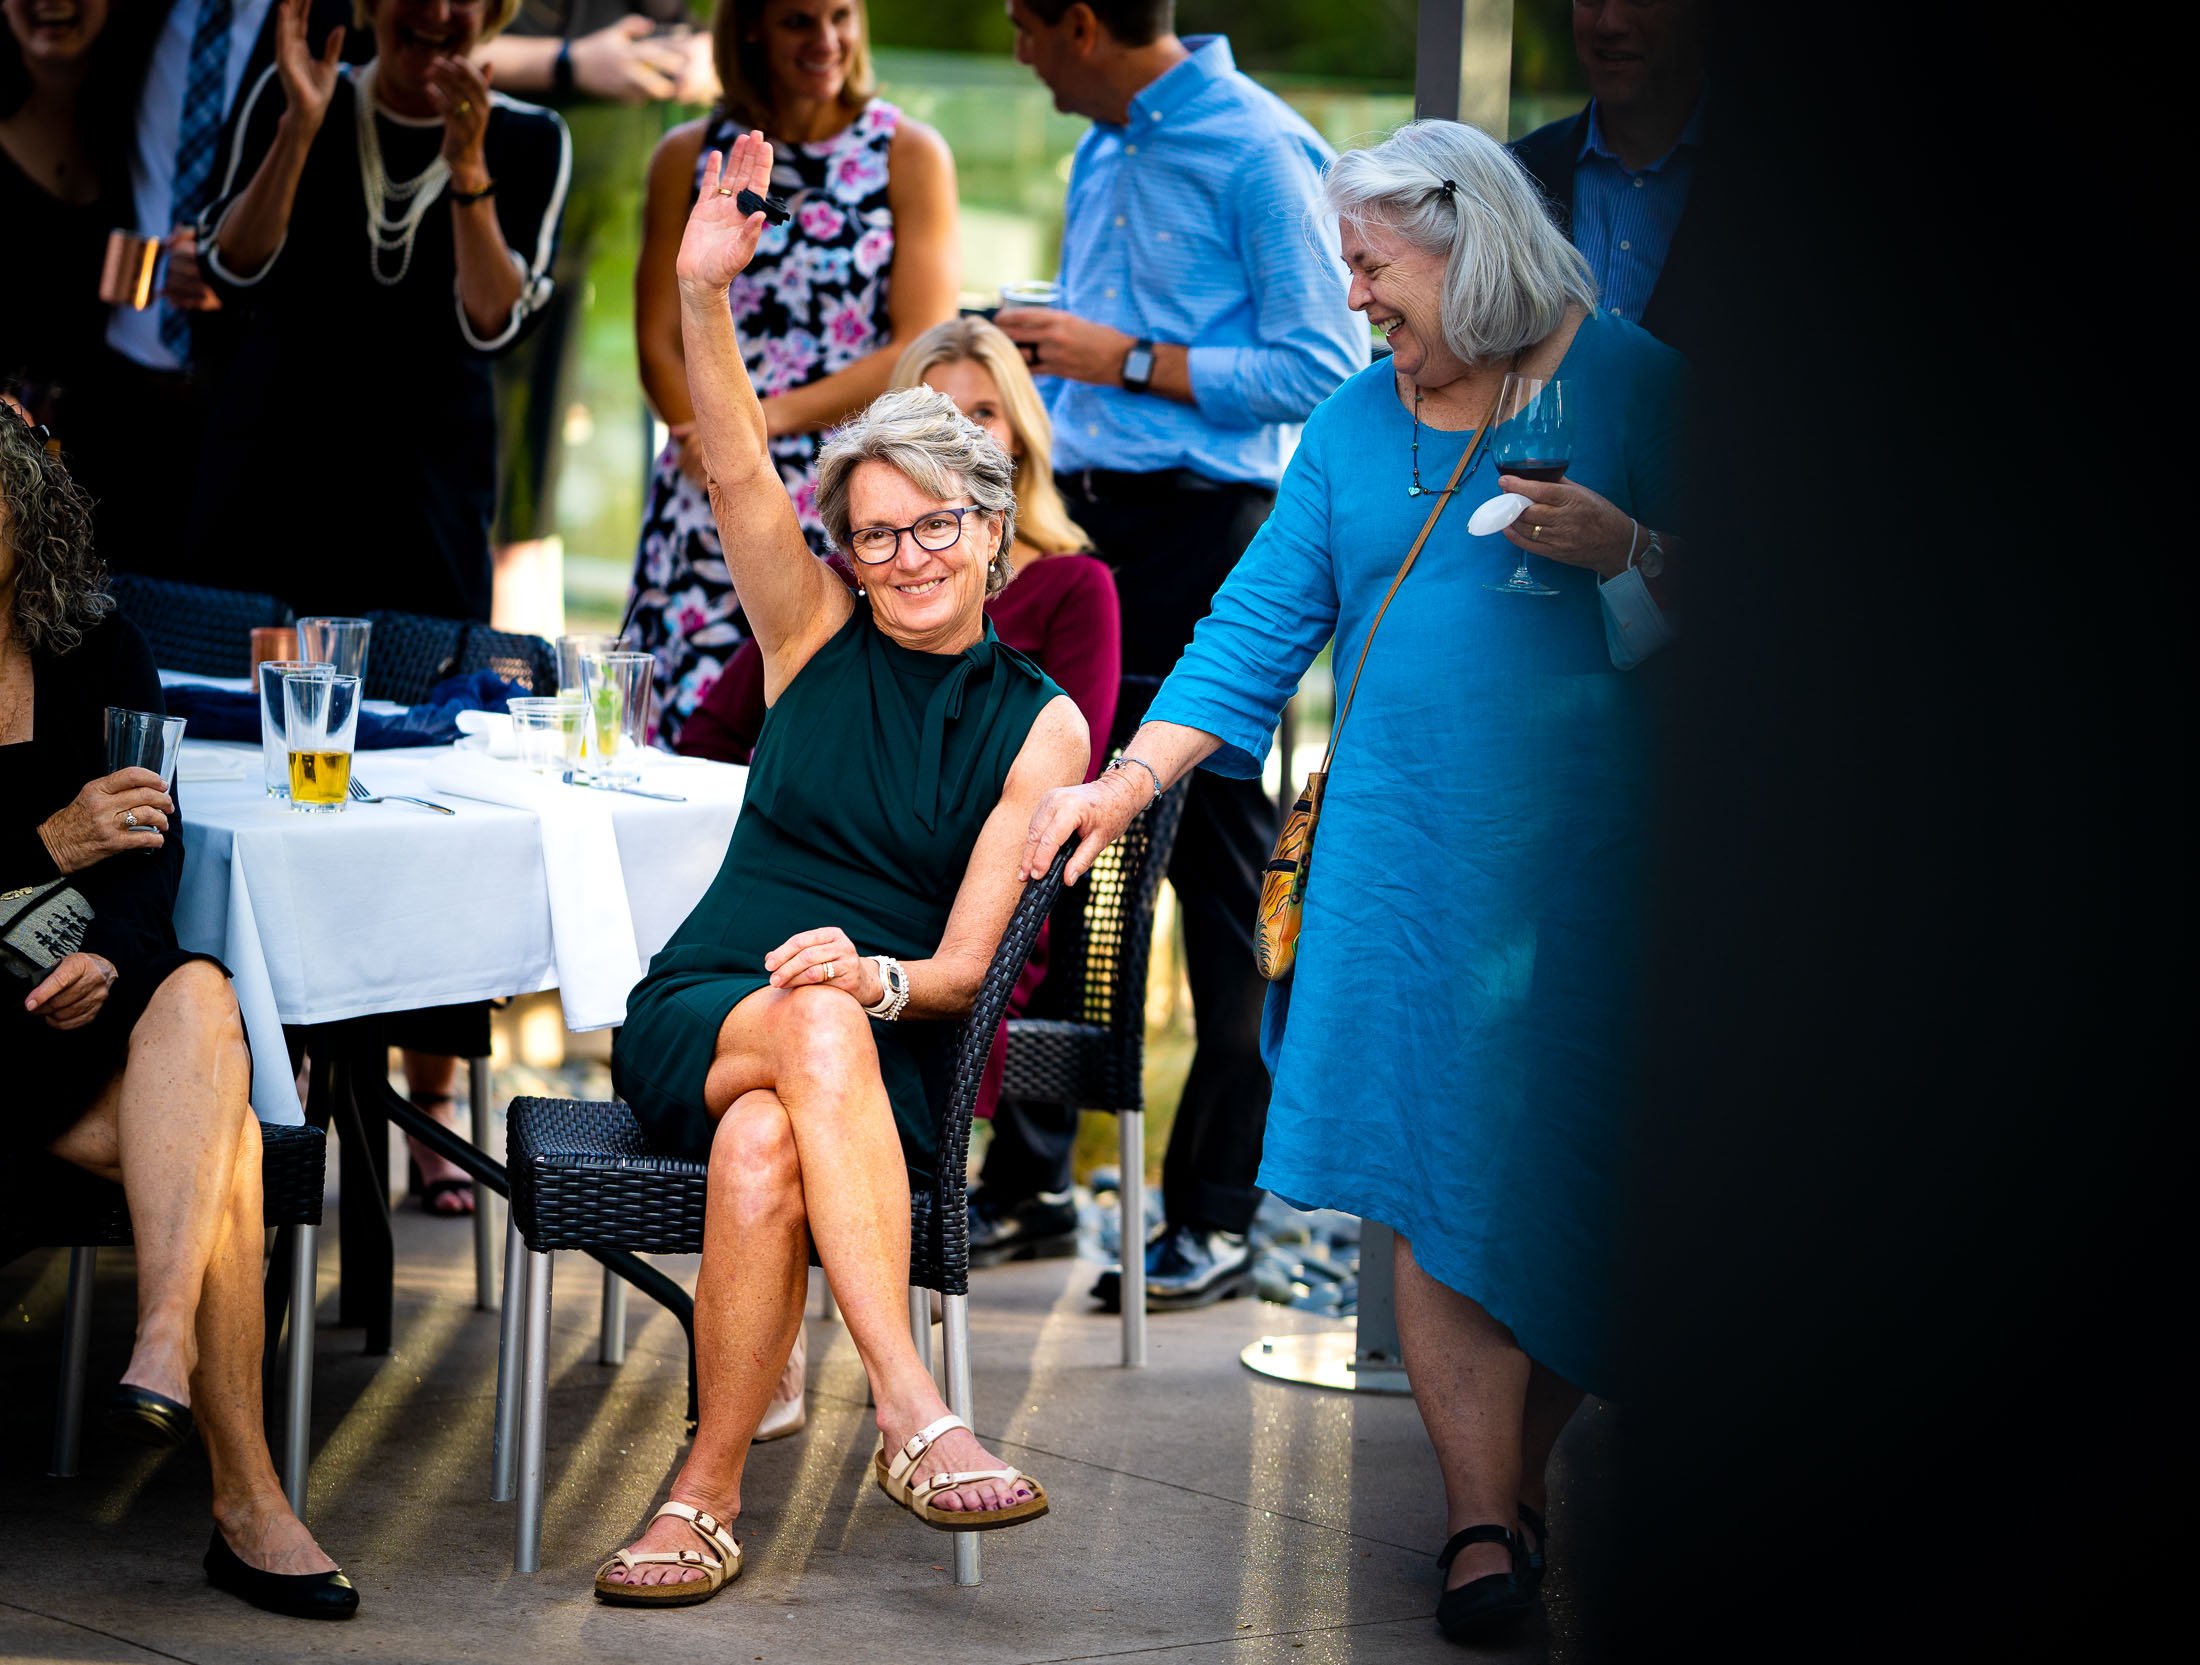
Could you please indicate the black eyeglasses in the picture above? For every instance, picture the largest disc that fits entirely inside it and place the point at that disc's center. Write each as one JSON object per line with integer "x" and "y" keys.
{"x": 938, "y": 530}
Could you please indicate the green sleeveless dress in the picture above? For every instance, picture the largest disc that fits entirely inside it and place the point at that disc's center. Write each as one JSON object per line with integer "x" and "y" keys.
{"x": 871, "y": 780}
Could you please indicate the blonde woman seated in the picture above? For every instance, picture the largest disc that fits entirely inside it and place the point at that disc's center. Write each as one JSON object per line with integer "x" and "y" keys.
{"x": 791, "y": 1033}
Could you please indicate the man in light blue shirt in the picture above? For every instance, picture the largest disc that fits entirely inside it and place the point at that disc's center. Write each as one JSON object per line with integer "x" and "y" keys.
{"x": 1202, "y": 319}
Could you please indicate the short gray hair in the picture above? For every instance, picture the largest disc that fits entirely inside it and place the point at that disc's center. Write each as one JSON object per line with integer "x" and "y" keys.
{"x": 1509, "y": 274}
{"x": 919, "y": 432}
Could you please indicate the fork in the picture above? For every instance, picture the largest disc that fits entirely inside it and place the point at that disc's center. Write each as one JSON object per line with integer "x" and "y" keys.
{"x": 360, "y": 792}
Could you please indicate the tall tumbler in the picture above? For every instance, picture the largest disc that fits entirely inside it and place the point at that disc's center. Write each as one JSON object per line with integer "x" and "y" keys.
{"x": 274, "y": 748}
{"x": 143, "y": 740}
{"x": 616, "y": 691}
{"x": 320, "y": 722}
{"x": 338, "y": 642}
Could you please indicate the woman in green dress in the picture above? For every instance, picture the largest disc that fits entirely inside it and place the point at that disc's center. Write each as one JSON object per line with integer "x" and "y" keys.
{"x": 790, "y": 1034}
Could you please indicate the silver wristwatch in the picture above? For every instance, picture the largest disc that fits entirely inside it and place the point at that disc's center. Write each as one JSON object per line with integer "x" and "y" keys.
{"x": 895, "y": 981}
{"x": 1651, "y": 561}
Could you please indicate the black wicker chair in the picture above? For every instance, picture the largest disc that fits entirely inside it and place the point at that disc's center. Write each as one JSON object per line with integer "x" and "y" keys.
{"x": 409, "y": 653}
{"x": 528, "y": 661}
{"x": 51, "y": 1204}
{"x": 192, "y": 627}
{"x": 583, "y": 1179}
{"x": 1083, "y": 1043}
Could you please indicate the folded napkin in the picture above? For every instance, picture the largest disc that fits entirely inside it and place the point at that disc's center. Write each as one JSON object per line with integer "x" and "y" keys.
{"x": 231, "y": 714}
{"x": 487, "y": 731}
{"x": 591, "y": 924}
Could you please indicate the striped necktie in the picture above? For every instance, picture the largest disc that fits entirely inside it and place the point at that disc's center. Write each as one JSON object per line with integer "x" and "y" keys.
{"x": 205, "y": 85}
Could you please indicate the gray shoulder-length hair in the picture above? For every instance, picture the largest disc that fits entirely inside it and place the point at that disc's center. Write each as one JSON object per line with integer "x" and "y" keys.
{"x": 940, "y": 451}
{"x": 1509, "y": 274}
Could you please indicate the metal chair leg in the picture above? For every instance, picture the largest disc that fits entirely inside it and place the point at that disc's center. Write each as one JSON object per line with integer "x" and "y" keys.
{"x": 76, "y": 1341}
{"x": 1131, "y": 1128}
{"x": 501, "y": 1465}
{"x": 611, "y": 1344}
{"x": 485, "y": 1200}
{"x": 920, "y": 1325}
{"x": 955, "y": 1343}
{"x": 298, "y": 1395}
{"x": 534, "y": 1393}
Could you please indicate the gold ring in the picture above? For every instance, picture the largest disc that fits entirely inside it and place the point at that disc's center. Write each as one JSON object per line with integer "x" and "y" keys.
{"x": 830, "y": 968}
{"x": 1535, "y": 531}
{"x": 722, "y": 191}
{"x": 464, "y": 105}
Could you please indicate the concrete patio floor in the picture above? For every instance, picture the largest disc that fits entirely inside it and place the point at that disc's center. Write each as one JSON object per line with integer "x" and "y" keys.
{"x": 1202, "y": 1514}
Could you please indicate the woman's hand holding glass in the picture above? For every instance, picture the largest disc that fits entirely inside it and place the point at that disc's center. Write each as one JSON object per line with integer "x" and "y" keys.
{"x": 308, "y": 82}
{"x": 127, "y": 810}
{"x": 825, "y": 958}
{"x": 73, "y": 992}
{"x": 1570, "y": 524}
{"x": 721, "y": 239}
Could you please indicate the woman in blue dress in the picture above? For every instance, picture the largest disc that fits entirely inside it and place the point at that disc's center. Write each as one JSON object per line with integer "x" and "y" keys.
{"x": 1450, "y": 1051}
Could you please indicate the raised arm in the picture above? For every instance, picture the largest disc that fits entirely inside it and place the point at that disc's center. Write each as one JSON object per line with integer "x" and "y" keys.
{"x": 793, "y": 602}
{"x": 257, "y": 220}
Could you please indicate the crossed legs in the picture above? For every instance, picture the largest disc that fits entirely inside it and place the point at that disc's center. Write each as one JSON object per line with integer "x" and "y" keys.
{"x": 1492, "y": 1413}
{"x": 804, "y": 1151}
{"x": 176, "y": 1129}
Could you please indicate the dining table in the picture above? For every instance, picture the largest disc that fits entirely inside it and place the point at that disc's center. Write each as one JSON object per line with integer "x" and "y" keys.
{"x": 332, "y": 924}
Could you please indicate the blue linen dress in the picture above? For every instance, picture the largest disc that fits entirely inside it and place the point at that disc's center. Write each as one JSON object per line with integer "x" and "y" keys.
{"x": 1450, "y": 1053}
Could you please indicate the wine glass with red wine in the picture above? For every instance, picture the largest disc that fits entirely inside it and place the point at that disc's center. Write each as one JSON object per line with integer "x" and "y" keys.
{"x": 1529, "y": 438}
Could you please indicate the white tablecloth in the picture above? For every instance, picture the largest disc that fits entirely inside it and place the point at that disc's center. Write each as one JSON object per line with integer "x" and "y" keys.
{"x": 389, "y": 907}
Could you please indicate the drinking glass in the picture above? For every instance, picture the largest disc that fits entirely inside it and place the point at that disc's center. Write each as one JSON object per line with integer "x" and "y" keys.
{"x": 143, "y": 740}
{"x": 1036, "y": 292}
{"x": 320, "y": 722}
{"x": 573, "y": 649}
{"x": 616, "y": 687}
{"x": 338, "y": 642}
{"x": 274, "y": 750}
{"x": 1530, "y": 438}
{"x": 547, "y": 731}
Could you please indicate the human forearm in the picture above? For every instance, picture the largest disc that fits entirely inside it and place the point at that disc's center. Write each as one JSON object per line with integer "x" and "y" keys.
{"x": 729, "y": 422}
{"x": 1171, "y": 750}
{"x": 258, "y": 220}
{"x": 489, "y": 283}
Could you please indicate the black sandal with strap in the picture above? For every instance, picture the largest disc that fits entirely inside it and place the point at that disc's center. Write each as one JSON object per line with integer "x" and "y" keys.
{"x": 1482, "y": 1607}
{"x": 1531, "y": 1567}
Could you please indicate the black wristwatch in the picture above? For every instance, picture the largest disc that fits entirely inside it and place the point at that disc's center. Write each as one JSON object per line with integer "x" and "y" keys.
{"x": 561, "y": 72}
{"x": 1138, "y": 367}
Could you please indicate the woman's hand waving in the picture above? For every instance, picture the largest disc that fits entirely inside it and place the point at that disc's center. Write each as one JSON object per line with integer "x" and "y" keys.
{"x": 720, "y": 240}
{"x": 459, "y": 90}
{"x": 127, "y": 810}
{"x": 308, "y": 82}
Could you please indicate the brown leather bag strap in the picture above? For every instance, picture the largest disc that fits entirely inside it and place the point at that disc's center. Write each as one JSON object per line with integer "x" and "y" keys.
{"x": 1443, "y": 500}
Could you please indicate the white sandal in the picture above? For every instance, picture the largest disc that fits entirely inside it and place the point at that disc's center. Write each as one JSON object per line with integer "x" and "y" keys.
{"x": 718, "y": 1570}
{"x": 789, "y": 1409}
{"x": 916, "y": 1497}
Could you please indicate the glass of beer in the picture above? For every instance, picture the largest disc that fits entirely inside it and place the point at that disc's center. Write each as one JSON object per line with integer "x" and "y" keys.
{"x": 274, "y": 720}
{"x": 615, "y": 688}
{"x": 338, "y": 642}
{"x": 320, "y": 722}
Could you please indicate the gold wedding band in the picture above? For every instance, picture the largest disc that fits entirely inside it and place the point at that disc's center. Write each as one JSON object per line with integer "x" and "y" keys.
{"x": 830, "y": 968}
{"x": 722, "y": 191}
{"x": 1535, "y": 531}
{"x": 464, "y": 105}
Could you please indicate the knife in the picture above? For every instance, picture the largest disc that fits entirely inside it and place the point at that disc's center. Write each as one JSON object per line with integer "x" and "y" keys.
{"x": 571, "y": 779}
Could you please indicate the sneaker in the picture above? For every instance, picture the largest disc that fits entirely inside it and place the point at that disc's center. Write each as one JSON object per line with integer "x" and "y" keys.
{"x": 1043, "y": 1227}
{"x": 1185, "y": 1267}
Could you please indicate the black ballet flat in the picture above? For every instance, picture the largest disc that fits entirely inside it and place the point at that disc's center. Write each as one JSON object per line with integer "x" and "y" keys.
{"x": 1482, "y": 1607}
{"x": 327, "y": 1595}
{"x": 1531, "y": 1566}
{"x": 147, "y": 1417}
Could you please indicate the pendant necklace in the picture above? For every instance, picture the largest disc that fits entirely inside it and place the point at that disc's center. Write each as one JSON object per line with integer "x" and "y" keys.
{"x": 413, "y": 197}
{"x": 1417, "y": 489}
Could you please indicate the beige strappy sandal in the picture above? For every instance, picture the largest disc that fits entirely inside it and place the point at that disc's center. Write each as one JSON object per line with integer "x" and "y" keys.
{"x": 718, "y": 1570}
{"x": 916, "y": 1497}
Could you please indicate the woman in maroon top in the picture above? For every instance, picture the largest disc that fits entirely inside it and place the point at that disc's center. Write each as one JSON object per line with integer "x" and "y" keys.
{"x": 1061, "y": 610}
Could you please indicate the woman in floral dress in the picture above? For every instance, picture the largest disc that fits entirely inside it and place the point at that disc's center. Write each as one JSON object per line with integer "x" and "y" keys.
{"x": 867, "y": 262}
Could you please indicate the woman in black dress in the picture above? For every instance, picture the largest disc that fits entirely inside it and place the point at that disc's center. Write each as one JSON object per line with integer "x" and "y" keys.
{"x": 127, "y": 1057}
{"x": 392, "y": 227}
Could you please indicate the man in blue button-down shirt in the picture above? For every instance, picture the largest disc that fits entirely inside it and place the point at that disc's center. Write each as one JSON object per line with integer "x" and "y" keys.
{"x": 1202, "y": 319}
{"x": 1622, "y": 173}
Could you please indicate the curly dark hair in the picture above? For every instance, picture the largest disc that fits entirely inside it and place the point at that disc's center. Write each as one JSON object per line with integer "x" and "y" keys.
{"x": 56, "y": 584}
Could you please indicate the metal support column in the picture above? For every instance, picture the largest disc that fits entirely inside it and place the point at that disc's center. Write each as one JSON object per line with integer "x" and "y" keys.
{"x": 955, "y": 1343}
{"x": 298, "y": 1397}
{"x": 1363, "y": 1359}
{"x": 485, "y": 1200}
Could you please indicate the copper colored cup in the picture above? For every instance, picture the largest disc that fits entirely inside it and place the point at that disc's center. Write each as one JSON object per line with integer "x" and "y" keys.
{"x": 273, "y": 641}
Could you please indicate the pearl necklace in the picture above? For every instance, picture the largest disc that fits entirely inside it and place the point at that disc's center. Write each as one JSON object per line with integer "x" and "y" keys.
{"x": 413, "y": 197}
